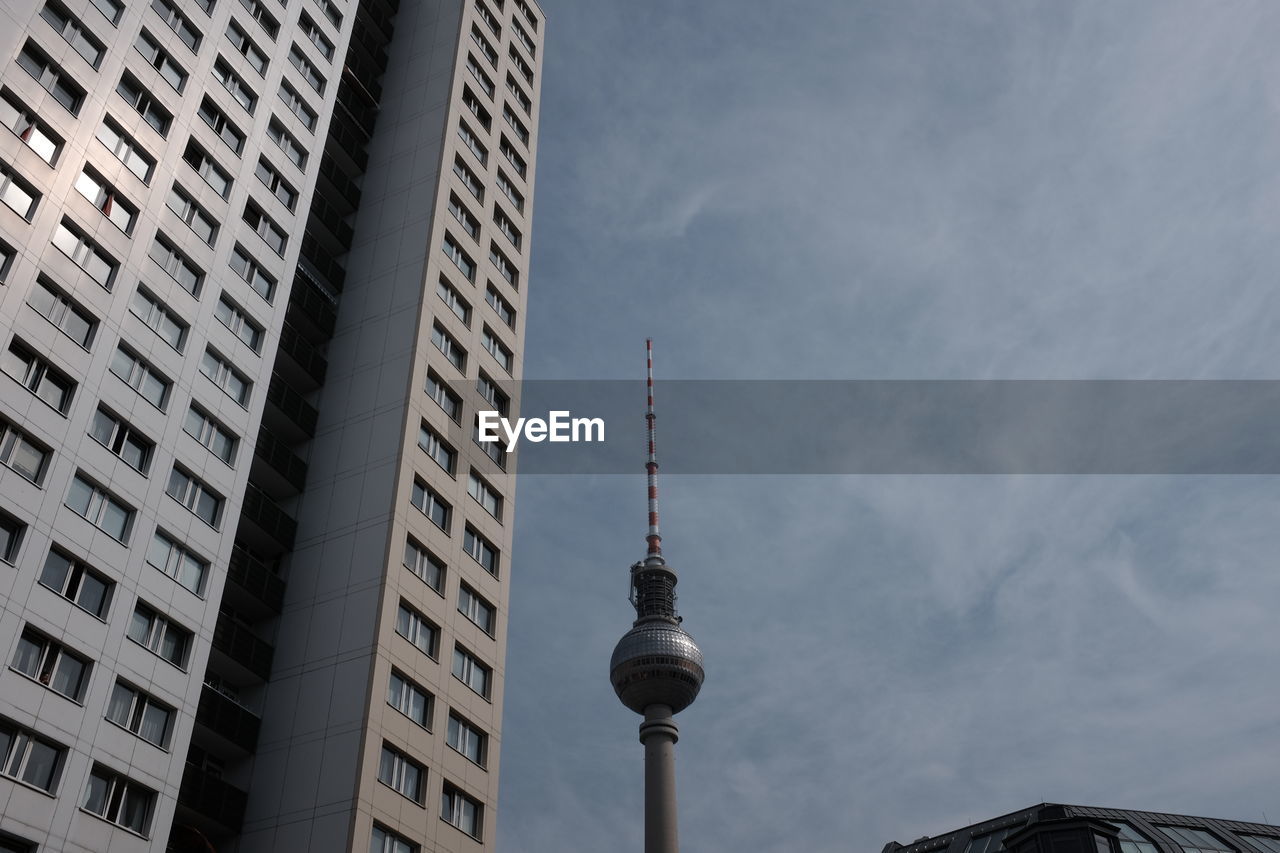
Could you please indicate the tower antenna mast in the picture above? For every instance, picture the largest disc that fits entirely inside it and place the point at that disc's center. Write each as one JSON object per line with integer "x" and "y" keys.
{"x": 656, "y": 668}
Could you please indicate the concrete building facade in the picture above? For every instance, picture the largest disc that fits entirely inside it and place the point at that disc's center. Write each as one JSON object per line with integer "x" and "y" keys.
{"x": 261, "y": 263}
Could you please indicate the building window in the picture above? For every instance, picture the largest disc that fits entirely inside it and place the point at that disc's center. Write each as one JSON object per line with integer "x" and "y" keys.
{"x": 468, "y": 178}
{"x": 265, "y": 227}
{"x": 519, "y": 62}
{"x": 473, "y": 144}
{"x": 298, "y": 106}
{"x": 231, "y": 136}
{"x": 506, "y": 226}
{"x": 126, "y": 150}
{"x": 460, "y": 258}
{"x": 100, "y": 508}
{"x": 232, "y": 382}
{"x": 454, "y": 300}
{"x": 1194, "y": 840}
{"x": 159, "y": 59}
{"x": 516, "y": 161}
{"x": 473, "y": 103}
{"x": 515, "y": 124}
{"x": 402, "y": 774}
{"x": 493, "y": 449}
{"x": 528, "y": 14}
{"x": 7, "y": 254}
{"x": 122, "y": 439}
{"x": 475, "y": 608}
{"x": 427, "y": 566}
{"x": 431, "y": 504}
{"x": 251, "y": 271}
{"x": 437, "y": 448}
{"x": 29, "y": 758}
{"x": 110, "y": 9}
{"x": 448, "y": 347}
{"x": 488, "y": 17}
{"x": 524, "y": 38}
{"x": 485, "y": 495}
{"x": 232, "y": 82}
{"x": 16, "y": 193}
{"x": 287, "y": 143}
{"x": 509, "y": 190}
{"x": 493, "y": 395}
{"x": 51, "y": 77}
{"x": 468, "y": 222}
{"x": 500, "y": 306}
{"x": 211, "y": 433}
{"x": 77, "y": 582}
{"x": 315, "y": 36}
{"x": 415, "y": 628}
{"x": 466, "y": 739}
{"x": 11, "y": 531}
{"x": 176, "y": 264}
{"x": 445, "y": 398}
{"x": 85, "y": 253}
{"x": 218, "y": 179}
{"x": 52, "y": 664}
{"x": 195, "y": 217}
{"x": 137, "y": 96}
{"x": 461, "y": 811}
{"x": 386, "y": 841}
{"x": 409, "y": 699}
{"x": 280, "y": 188}
{"x": 38, "y": 376}
{"x": 514, "y": 88}
{"x": 177, "y": 22}
{"x": 22, "y": 121}
{"x": 306, "y": 68}
{"x": 245, "y": 46}
{"x": 66, "y": 315}
{"x": 21, "y": 454}
{"x": 330, "y": 11}
{"x": 470, "y": 671}
{"x": 138, "y": 374}
{"x": 477, "y": 72}
{"x": 481, "y": 550}
{"x": 497, "y": 349}
{"x": 1266, "y": 842}
{"x": 504, "y": 266}
{"x": 485, "y": 47}
{"x": 157, "y": 316}
{"x": 194, "y": 494}
{"x": 118, "y": 800}
{"x": 152, "y": 631}
{"x": 234, "y": 318}
{"x": 141, "y": 714}
{"x": 177, "y": 562}
{"x": 259, "y": 13}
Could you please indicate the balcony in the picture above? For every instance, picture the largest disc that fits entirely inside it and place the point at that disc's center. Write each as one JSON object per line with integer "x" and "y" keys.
{"x": 263, "y": 587}
{"x": 277, "y": 470}
{"x": 243, "y": 650}
{"x": 269, "y": 521}
{"x": 343, "y": 187}
{"x": 324, "y": 264}
{"x": 296, "y": 419}
{"x": 308, "y": 366}
{"x": 328, "y": 227}
{"x": 212, "y": 798}
{"x": 350, "y": 140}
{"x": 228, "y": 719}
{"x": 310, "y": 307}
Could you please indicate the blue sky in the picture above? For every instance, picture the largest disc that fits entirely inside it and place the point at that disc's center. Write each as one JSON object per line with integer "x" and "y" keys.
{"x": 915, "y": 190}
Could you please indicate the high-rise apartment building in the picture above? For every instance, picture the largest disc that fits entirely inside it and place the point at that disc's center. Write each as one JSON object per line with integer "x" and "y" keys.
{"x": 261, "y": 263}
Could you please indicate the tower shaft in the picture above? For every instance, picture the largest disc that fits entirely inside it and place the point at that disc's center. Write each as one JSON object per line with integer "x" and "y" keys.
{"x": 659, "y": 734}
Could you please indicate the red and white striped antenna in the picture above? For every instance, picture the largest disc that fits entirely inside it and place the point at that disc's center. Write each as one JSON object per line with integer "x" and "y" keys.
{"x": 651, "y": 466}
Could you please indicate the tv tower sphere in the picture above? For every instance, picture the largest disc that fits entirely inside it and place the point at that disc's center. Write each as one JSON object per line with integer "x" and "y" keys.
{"x": 656, "y": 663}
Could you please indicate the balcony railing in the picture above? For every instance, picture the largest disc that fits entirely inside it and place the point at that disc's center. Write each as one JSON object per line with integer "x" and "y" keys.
{"x": 304, "y": 353}
{"x": 213, "y": 798}
{"x": 243, "y": 646}
{"x": 254, "y": 577}
{"x": 305, "y": 298}
{"x": 275, "y": 522}
{"x": 292, "y": 405}
{"x": 226, "y": 718}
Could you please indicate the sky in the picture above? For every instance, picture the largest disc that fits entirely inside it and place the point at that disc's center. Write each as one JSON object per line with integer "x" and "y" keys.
{"x": 859, "y": 189}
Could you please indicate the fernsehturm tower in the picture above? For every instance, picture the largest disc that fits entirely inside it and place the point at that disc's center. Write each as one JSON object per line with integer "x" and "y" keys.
{"x": 656, "y": 668}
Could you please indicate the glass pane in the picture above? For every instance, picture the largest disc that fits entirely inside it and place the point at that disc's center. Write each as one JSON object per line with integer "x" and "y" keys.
{"x": 27, "y": 657}
{"x": 95, "y": 796}
{"x": 68, "y": 676}
{"x": 120, "y": 705}
{"x": 56, "y": 569}
{"x": 155, "y": 725}
{"x": 93, "y": 594}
